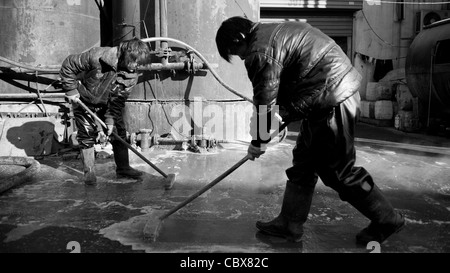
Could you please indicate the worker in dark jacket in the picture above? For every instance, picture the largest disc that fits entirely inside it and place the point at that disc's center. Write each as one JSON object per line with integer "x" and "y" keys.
{"x": 298, "y": 69}
{"x": 102, "y": 78}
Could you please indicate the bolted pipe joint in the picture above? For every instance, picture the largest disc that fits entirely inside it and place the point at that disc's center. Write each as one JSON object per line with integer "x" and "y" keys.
{"x": 145, "y": 139}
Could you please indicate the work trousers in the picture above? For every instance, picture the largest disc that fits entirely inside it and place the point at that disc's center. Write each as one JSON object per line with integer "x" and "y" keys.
{"x": 325, "y": 149}
{"x": 87, "y": 127}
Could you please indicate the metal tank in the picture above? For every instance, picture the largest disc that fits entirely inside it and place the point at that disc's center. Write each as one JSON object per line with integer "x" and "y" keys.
{"x": 41, "y": 34}
{"x": 36, "y": 36}
{"x": 428, "y": 69}
{"x": 44, "y": 32}
{"x": 158, "y": 100}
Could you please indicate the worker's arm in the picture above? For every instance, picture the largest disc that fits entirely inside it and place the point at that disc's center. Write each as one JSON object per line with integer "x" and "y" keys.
{"x": 264, "y": 73}
{"x": 119, "y": 94}
{"x": 71, "y": 67}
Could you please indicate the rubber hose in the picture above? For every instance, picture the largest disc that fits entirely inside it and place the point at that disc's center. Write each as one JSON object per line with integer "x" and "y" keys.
{"x": 32, "y": 168}
{"x": 154, "y": 39}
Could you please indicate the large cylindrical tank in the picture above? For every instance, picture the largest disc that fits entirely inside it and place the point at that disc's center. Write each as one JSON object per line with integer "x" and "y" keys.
{"x": 156, "y": 101}
{"x": 124, "y": 23}
{"x": 44, "y": 32}
{"x": 196, "y": 23}
{"x": 428, "y": 68}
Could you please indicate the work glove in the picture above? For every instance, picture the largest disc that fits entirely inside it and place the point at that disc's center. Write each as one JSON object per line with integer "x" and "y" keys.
{"x": 72, "y": 98}
{"x": 254, "y": 151}
{"x": 110, "y": 129}
{"x": 102, "y": 137}
{"x": 127, "y": 79}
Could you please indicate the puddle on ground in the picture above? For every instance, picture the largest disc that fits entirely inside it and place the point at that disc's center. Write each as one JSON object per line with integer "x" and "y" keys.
{"x": 196, "y": 235}
{"x": 207, "y": 231}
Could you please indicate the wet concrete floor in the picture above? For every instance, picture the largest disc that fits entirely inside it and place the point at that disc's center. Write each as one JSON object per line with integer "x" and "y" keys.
{"x": 57, "y": 208}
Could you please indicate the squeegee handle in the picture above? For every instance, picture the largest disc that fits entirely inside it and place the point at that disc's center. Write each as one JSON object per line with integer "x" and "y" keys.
{"x": 218, "y": 179}
{"x": 205, "y": 188}
{"x": 116, "y": 136}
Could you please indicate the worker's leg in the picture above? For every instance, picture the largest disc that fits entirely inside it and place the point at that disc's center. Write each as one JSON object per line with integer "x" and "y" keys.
{"x": 86, "y": 135}
{"x": 120, "y": 150}
{"x": 297, "y": 195}
{"x": 335, "y": 145}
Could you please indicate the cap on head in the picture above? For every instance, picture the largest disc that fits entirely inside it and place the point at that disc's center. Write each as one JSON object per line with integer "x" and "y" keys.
{"x": 230, "y": 34}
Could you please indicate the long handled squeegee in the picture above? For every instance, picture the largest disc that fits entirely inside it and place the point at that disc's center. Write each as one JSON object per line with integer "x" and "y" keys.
{"x": 152, "y": 227}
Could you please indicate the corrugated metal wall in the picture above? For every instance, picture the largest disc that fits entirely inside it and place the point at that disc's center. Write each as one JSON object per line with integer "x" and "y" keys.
{"x": 338, "y": 24}
{"x": 328, "y": 4}
{"x": 330, "y": 25}
{"x": 334, "y": 18}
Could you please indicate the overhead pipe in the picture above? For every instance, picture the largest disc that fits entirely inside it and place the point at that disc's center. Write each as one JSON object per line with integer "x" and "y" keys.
{"x": 29, "y": 68}
{"x": 174, "y": 66}
{"x": 31, "y": 95}
{"x": 153, "y": 66}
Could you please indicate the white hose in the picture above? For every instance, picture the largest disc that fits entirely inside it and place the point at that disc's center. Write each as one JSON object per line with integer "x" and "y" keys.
{"x": 154, "y": 39}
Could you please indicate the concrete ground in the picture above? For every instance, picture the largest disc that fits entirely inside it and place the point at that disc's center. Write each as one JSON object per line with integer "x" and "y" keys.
{"x": 57, "y": 211}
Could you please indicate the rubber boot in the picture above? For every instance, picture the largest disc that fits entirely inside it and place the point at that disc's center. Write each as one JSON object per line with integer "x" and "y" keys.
{"x": 294, "y": 213}
{"x": 121, "y": 158}
{"x": 88, "y": 159}
{"x": 385, "y": 221}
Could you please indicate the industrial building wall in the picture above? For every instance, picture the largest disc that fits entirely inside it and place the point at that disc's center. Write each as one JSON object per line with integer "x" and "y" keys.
{"x": 43, "y": 33}
{"x": 384, "y": 32}
{"x": 334, "y": 18}
{"x": 385, "y": 29}
{"x": 337, "y": 25}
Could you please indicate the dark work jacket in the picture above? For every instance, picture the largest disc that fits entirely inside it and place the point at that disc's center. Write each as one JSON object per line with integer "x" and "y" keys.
{"x": 94, "y": 75}
{"x": 297, "y": 67}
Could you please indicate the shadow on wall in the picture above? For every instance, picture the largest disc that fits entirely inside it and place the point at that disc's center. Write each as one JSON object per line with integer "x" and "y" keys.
{"x": 27, "y": 136}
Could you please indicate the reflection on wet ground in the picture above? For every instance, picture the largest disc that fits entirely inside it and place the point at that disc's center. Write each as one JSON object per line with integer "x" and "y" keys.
{"x": 44, "y": 216}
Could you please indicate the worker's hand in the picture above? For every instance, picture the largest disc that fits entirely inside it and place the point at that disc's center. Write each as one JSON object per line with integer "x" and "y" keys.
{"x": 102, "y": 137}
{"x": 73, "y": 98}
{"x": 255, "y": 152}
{"x": 289, "y": 115}
{"x": 110, "y": 129}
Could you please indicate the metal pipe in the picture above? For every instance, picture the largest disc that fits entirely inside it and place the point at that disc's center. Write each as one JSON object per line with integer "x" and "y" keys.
{"x": 157, "y": 24}
{"x": 15, "y": 70}
{"x": 46, "y": 69}
{"x": 171, "y": 66}
{"x": 145, "y": 139}
{"x": 208, "y": 65}
{"x": 163, "y": 18}
{"x": 39, "y": 94}
{"x": 31, "y": 96}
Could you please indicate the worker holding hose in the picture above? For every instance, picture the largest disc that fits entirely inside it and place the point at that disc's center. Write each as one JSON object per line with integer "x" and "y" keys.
{"x": 102, "y": 78}
{"x": 303, "y": 72}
